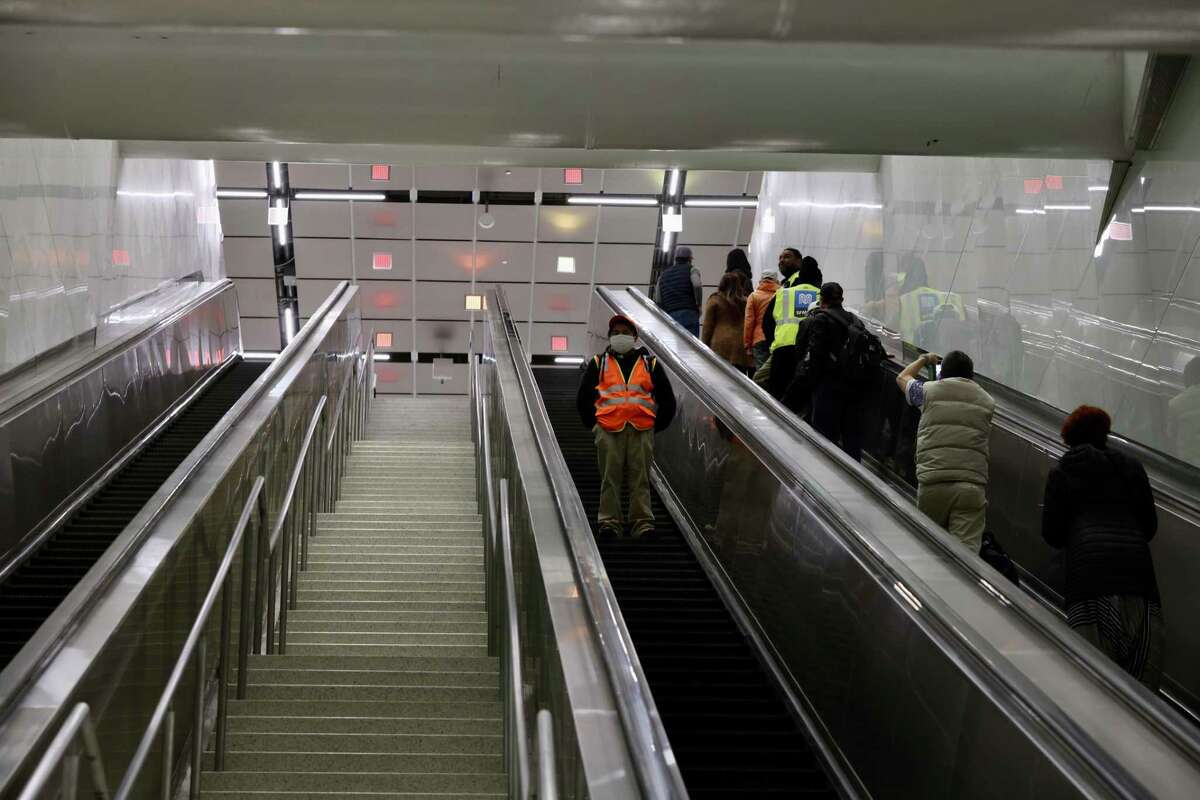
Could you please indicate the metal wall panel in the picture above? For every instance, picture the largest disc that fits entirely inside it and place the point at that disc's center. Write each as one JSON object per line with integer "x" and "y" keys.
{"x": 386, "y": 299}
{"x": 401, "y": 331}
{"x": 508, "y": 179}
{"x": 322, "y": 258}
{"x": 552, "y": 181}
{"x": 260, "y": 333}
{"x": 709, "y": 226}
{"x": 503, "y": 261}
{"x": 442, "y": 300}
{"x": 243, "y": 217}
{"x": 717, "y": 182}
{"x": 394, "y": 378}
{"x": 628, "y": 224}
{"x": 382, "y": 220}
{"x": 399, "y": 177}
{"x": 446, "y": 178}
{"x": 548, "y": 253}
{"x": 314, "y": 218}
{"x": 624, "y": 263}
{"x": 563, "y": 303}
{"x": 313, "y": 292}
{"x": 513, "y": 224}
{"x": 445, "y": 220}
{"x": 577, "y": 339}
{"x": 633, "y": 181}
{"x": 248, "y": 174}
{"x": 444, "y": 261}
{"x": 442, "y": 336}
{"x": 567, "y": 224}
{"x": 364, "y": 259}
{"x": 427, "y": 385}
{"x": 249, "y": 256}
{"x": 318, "y": 176}
{"x": 256, "y": 296}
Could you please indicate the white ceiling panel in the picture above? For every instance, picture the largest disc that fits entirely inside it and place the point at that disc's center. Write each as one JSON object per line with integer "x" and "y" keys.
{"x": 709, "y": 226}
{"x": 508, "y": 179}
{"x": 318, "y": 176}
{"x": 548, "y": 255}
{"x": 513, "y": 224}
{"x": 382, "y": 220}
{"x": 446, "y": 178}
{"x": 313, "y": 292}
{"x": 567, "y": 224}
{"x": 256, "y": 296}
{"x": 400, "y": 253}
{"x": 442, "y": 300}
{"x": 393, "y": 378}
{"x": 322, "y": 258}
{"x": 248, "y": 257}
{"x": 564, "y": 303}
{"x": 385, "y": 299}
{"x": 576, "y": 333}
{"x": 716, "y": 182}
{"x": 457, "y": 385}
{"x": 400, "y": 329}
{"x": 503, "y": 261}
{"x": 243, "y": 217}
{"x": 552, "y": 181}
{"x": 444, "y": 261}
{"x": 628, "y": 263}
{"x": 445, "y": 220}
{"x": 633, "y": 181}
{"x": 320, "y": 218}
{"x": 748, "y": 216}
{"x": 399, "y": 177}
{"x": 248, "y": 174}
{"x": 443, "y": 336}
{"x": 260, "y": 333}
{"x": 630, "y": 225}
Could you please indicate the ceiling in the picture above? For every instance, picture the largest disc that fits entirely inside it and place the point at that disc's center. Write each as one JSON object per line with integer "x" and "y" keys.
{"x": 109, "y": 75}
{"x": 439, "y": 254}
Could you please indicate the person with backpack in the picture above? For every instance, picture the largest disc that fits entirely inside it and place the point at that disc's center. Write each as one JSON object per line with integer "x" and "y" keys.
{"x": 952, "y": 443}
{"x": 839, "y": 365}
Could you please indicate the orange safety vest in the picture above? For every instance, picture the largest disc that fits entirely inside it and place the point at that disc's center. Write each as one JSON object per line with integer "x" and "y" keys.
{"x": 625, "y": 401}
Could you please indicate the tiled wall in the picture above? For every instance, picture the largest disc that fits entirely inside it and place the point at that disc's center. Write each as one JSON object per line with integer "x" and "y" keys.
{"x": 1047, "y": 310}
{"x": 83, "y": 229}
{"x": 439, "y": 252}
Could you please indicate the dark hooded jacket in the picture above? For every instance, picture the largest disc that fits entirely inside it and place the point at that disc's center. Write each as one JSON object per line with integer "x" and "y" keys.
{"x": 1099, "y": 506}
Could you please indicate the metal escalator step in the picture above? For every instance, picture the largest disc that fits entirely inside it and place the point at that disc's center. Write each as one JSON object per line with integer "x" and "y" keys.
{"x": 732, "y": 734}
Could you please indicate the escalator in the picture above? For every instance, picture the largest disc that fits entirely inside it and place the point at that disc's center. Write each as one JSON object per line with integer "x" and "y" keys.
{"x": 730, "y": 729}
{"x": 36, "y": 588}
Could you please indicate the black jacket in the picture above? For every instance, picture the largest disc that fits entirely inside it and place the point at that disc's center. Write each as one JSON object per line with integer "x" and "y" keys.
{"x": 1099, "y": 506}
{"x": 588, "y": 394}
{"x": 818, "y": 345}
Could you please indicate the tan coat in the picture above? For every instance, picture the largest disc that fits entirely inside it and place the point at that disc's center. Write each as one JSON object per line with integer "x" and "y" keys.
{"x": 756, "y": 307}
{"x": 722, "y": 329}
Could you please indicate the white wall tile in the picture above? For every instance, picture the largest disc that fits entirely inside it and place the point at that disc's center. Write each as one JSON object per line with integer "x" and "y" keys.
{"x": 313, "y": 218}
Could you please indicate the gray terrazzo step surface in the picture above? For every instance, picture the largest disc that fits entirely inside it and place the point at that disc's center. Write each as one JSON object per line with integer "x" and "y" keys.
{"x": 386, "y": 689}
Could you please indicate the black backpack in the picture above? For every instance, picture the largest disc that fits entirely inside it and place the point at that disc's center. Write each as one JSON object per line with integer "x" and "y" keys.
{"x": 862, "y": 352}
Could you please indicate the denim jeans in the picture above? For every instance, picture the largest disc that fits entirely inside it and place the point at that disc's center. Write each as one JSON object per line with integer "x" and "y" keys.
{"x": 689, "y": 318}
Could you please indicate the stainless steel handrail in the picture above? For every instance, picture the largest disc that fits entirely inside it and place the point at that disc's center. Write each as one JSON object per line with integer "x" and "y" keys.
{"x": 1004, "y": 680}
{"x": 649, "y": 747}
{"x": 78, "y": 724}
{"x": 255, "y": 506}
{"x": 516, "y": 743}
{"x": 547, "y": 779}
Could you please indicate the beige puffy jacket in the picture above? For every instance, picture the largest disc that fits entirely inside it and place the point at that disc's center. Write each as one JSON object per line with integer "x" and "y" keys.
{"x": 956, "y": 426}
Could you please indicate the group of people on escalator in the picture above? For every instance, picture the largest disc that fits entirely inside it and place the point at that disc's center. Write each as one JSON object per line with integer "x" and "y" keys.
{"x": 819, "y": 360}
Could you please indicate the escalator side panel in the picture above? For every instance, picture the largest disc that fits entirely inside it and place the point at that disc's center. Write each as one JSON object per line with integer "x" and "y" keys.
{"x": 728, "y": 726}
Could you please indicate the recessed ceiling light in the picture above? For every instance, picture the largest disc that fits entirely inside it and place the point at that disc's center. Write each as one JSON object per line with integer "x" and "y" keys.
{"x": 508, "y": 172}
{"x": 566, "y": 264}
{"x": 504, "y": 261}
{"x": 474, "y": 302}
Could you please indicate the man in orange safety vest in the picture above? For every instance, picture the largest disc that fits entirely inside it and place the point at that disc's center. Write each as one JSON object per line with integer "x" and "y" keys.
{"x": 624, "y": 397}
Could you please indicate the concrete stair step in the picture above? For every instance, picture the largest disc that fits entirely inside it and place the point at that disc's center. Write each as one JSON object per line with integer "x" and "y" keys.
{"x": 328, "y": 709}
{"x": 407, "y": 583}
{"x": 344, "y": 636}
{"x": 402, "y": 617}
{"x": 455, "y": 664}
{"x": 262, "y": 676}
{"x": 383, "y": 694}
{"x": 369, "y": 571}
{"x": 325, "y": 783}
{"x": 332, "y": 546}
{"x": 325, "y": 649}
{"x": 359, "y": 606}
{"x": 457, "y": 744}
{"x": 458, "y": 557}
{"x": 346, "y": 623}
{"x": 382, "y": 725}
{"x": 457, "y": 764}
{"x": 384, "y": 536}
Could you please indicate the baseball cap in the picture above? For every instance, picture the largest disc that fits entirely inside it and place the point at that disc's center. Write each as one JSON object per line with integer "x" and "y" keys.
{"x": 622, "y": 318}
{"x": 682, "y": 253}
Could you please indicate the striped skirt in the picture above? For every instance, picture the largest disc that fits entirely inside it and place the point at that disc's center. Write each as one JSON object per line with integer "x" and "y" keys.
{"x": 1128, "y": 628}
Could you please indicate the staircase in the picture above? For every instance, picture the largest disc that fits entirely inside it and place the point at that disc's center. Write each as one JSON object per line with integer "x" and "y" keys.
{"x": 386, "y": 690}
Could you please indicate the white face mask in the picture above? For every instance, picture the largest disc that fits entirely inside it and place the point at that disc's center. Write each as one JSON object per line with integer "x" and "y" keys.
{"x": 621, "y": 342}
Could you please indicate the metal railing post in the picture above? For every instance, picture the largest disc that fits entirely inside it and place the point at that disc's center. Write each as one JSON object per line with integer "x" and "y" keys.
{"x": 547, "y": 769}
{"x": 245, "y": 625}
{"x": 198, "y": 718}
{"x": 168, "y": 752}
{"x": 223, "y": 675}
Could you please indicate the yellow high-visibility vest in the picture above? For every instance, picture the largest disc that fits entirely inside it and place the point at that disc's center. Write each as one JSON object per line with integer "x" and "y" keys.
{"x": 921, "y": 305}
{"x": 792, "y": 304}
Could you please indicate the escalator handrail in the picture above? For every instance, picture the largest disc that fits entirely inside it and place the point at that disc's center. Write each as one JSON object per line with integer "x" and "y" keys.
{"x": 90, "y": 590}
{"x": 1110, "y": 677}
{"x": 20, "y": 403}
{"x": 658, "y": 773}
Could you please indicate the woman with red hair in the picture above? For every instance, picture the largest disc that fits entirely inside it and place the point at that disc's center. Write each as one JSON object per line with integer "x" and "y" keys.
{"x": 1100, "y": 508}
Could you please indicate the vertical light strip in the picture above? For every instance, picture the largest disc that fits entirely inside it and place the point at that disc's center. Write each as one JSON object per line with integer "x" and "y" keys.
{"x": 281, "y": 230}
{"x": 673, "y": 186}
{"x": 289, "y": 324}
{"x": 276, "y": 175}
{"x": 412, "y": 347}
